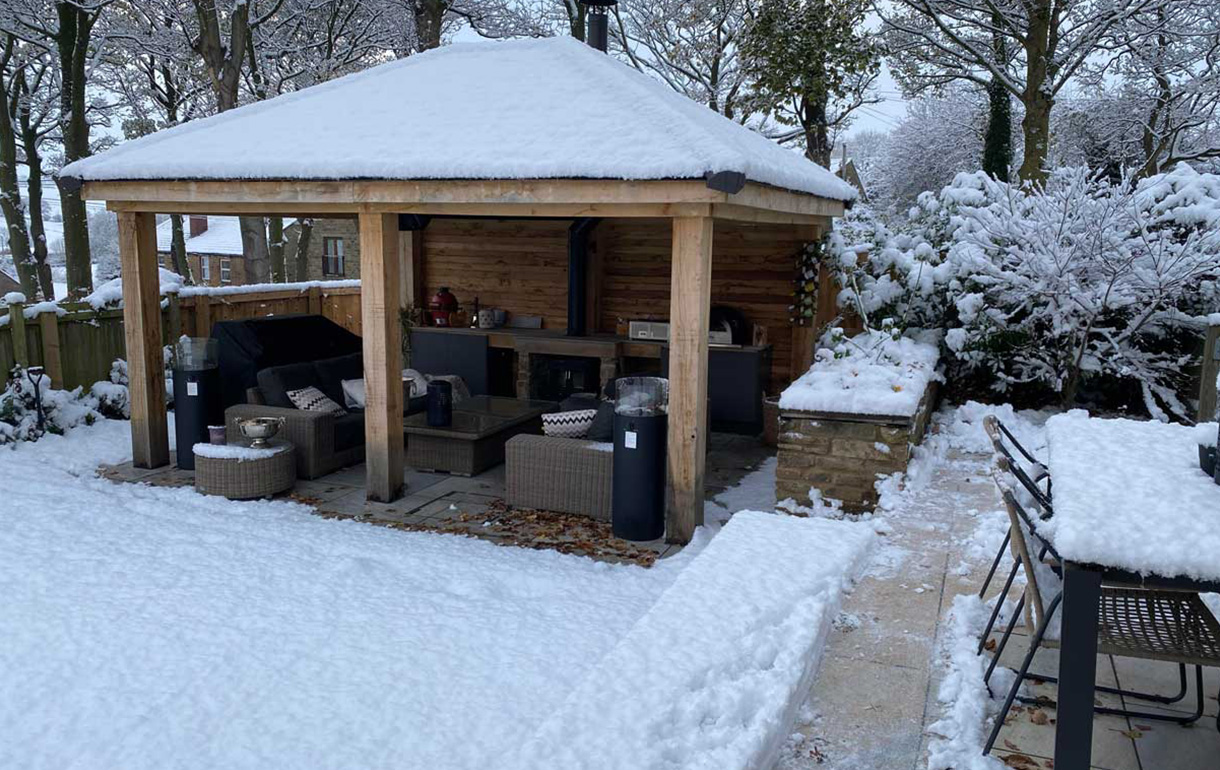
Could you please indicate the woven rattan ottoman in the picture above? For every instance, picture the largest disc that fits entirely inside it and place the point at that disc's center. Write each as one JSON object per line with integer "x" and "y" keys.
{"x": 243, "y": 473}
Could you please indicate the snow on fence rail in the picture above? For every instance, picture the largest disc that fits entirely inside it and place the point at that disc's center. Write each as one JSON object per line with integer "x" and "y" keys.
{"x": 78, "y": 341}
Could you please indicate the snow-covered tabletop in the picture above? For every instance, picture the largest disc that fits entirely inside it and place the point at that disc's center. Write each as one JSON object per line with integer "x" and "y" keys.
{"x": 1130, "y": 495}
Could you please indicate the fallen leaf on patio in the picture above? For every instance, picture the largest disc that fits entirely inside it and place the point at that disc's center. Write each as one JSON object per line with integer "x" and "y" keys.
{"x": 1020, "y": 761}
{"x": 1011, "y": 745}
{"x": 1145, "y": 728}
{"x": 990, "y": 645}
{"x": 1133, "y": 734}
{"x": 1039, "y": 717}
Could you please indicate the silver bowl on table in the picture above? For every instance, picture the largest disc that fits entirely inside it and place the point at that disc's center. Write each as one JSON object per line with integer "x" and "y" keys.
{"x": 260, "y": 430}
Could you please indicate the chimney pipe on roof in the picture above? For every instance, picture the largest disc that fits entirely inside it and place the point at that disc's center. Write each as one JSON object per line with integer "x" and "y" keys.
{"x": 598, "y": 33}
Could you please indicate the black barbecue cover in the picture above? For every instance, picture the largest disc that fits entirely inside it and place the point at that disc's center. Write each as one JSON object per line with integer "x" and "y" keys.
{"x": 244, "y": 347}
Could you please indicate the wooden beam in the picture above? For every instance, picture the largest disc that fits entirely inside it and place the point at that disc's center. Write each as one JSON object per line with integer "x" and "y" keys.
{"x": 738, "y": 213}
{"x": 689, "y": 311}
{"x": 1207, "y": 375}
{"x": 379, "y": 298}
{"x": 490, "y": 197}
{"x": 142, "y": 331}
{"x": 411, "y": 274}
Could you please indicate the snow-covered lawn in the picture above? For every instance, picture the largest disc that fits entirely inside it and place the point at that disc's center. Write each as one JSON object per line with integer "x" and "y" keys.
{"x": 149, "y": 627}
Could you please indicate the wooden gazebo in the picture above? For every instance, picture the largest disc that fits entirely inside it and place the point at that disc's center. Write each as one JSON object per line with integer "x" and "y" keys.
{"x": 530, "y": 129}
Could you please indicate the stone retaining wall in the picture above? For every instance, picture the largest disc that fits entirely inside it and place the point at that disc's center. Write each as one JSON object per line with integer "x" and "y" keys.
{"x": 841, "y": 455}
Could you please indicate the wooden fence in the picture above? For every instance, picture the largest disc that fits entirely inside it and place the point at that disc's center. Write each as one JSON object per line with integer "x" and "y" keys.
{"x": 77, "y": 345}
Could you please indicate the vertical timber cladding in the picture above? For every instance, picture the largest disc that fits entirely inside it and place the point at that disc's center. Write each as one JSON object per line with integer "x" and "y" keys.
{"x": 752, "y": 270}
{"x": 520, "y": 265}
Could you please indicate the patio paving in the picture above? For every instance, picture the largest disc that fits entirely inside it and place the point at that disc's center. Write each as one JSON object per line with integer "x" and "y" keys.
{"x": 877, "y": 689}
{"x": 474, "y": 506}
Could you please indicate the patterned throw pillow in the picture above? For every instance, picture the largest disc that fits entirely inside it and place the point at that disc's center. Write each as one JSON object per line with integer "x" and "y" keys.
{"x": 573, "y": 424}
{"x": 313, "y": 400}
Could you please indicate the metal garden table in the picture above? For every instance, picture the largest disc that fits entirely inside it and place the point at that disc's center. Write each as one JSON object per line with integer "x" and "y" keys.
{"x": 1132, "y": 508}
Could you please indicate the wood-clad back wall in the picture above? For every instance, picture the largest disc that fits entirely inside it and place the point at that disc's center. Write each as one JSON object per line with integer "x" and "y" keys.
{"x": 518, "y": 265}
{"x": 753, "y": 267}
{"x": 521, "y": 266}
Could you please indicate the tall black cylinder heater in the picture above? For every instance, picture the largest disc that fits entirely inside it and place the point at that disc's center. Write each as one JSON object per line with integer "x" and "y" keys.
{"x": 641, "y": 423}
{"x": 197, "y": 397}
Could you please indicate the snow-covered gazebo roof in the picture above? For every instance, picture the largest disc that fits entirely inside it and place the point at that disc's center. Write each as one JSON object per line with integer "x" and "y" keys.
{"x": 527, "y": 109}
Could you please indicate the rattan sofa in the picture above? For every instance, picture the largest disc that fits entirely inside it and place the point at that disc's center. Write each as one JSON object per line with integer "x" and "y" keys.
{"x": 559, "y": 474}
{"x": 324, "y": 443}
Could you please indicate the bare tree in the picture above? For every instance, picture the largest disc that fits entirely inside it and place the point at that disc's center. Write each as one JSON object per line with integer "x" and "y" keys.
{"x": 692, "y": 45}
{"x": 934, "y": 42}
{"x": 65, "y": 29}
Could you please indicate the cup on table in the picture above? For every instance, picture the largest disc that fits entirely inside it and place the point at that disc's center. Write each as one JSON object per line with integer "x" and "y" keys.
{"x": 216, "y": 435}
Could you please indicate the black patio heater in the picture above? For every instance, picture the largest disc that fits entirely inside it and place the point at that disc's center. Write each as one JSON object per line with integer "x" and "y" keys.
{"x": 197, "y": 402}
{"x": 637, "y": 502}
{"x": 598, "y": 32}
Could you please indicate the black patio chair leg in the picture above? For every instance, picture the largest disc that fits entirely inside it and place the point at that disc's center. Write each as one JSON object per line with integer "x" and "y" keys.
{"x": 995, "y": 563}
{"x": 999, "y": 604}
{"x": 1183, "y": 691}
{"x": 1034, "y": 644}
{"x": 999, "y": 648}
{"x": 1195, "y": 717}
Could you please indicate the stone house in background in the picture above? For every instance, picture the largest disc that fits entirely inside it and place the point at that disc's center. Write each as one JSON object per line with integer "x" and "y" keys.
{"x": 214, "y": 249}
{"x": 334, "y": 249}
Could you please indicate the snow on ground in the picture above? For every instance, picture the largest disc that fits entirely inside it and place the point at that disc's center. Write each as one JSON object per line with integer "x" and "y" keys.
{"x": 152, "y": 627}
{"x": 871, "y": 373}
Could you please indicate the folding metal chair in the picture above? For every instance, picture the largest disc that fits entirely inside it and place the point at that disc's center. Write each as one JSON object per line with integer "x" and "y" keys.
{"x": 1037, "y": 484}
{"x": 1172, "y": 626}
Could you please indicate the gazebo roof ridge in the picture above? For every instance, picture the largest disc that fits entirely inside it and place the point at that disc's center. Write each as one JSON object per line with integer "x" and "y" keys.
{"x": 515, "y": 110}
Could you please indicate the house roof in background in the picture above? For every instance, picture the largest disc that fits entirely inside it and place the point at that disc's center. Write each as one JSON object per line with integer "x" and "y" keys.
{"x": 524, "y": 109}
{"x": 223, "y": 237}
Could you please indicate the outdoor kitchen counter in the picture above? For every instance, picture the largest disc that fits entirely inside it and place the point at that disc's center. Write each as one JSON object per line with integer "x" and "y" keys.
{"x": 558, "y": 342}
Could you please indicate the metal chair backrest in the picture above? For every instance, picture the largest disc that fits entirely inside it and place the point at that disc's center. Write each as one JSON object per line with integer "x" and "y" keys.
{"x": 997, "y": 433}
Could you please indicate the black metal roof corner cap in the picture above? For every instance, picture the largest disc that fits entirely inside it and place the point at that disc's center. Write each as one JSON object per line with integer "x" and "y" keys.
{"x": 730, "y": 182}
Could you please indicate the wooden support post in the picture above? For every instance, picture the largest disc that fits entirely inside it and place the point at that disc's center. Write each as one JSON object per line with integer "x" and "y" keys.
{"x": 142, "y": 331}
{"x": 203, "y": 315}
{"x": 689, "y": 311}
{"x": 379, "y": 299}
{"x": 1207, "y": 375}
{"x": 48, "y": 323}
{"x": 315, "y": 300}
{"x": 411, "y": 274}
{"x": 16, "y": 325}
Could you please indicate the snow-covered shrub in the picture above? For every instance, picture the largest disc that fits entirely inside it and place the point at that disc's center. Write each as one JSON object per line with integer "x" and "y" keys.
{"x": 1078, "y": 281}
{"x": 113, "y": 397}
{"x": 62, "y": 409}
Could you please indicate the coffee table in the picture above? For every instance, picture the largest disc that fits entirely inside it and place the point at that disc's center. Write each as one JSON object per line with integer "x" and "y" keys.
{"x": 475, "y": 440}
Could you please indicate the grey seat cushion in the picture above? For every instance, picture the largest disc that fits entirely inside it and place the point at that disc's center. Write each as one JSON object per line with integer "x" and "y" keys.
{"x": 276, "y": 381}
{"x": 349, "y": 431}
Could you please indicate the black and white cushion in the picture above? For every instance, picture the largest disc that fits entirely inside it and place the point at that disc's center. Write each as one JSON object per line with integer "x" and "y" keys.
{"x": 573, "y": 424}
{"x": 311, "y": 399}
